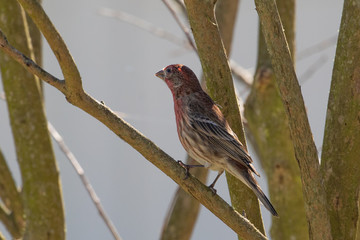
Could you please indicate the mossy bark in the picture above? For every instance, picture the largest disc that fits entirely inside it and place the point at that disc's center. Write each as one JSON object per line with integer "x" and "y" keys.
{"x": 11, "y": 211}
{"x": 304, "y": 147}
{"x": 41, "y": 190}
{"x": 341, "y": 151}
{"x": 268, "y": 124}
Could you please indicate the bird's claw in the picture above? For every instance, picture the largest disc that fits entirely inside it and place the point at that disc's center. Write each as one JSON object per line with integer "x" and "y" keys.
{"x": 186, "y": 167}
{"x": 213, "y": 190}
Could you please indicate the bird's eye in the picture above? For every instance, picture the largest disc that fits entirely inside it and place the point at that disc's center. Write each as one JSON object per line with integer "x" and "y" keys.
{"x": 168, "y": 70}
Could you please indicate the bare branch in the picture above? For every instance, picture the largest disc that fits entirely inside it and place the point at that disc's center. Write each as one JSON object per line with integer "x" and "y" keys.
{"x": 142, "y": 24}
{"x": 313, "y": 69}
{"x": 11, "y": 213}
{"x": 182, "y": 26}
{"x": 57, "y": 44}
{"x": 30, "y": 65}
{"x": 340, "y": 153}
{"x": 239, "y": 72}
{"x": 304, "y": 146}
{"x": 80, "y": 171}
{"x": 316, "y": 48}
{"x": 181, "y": 6}
{"x": 244, "y": 75}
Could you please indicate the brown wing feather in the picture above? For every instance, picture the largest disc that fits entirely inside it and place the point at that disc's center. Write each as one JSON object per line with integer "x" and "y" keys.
{"x": 219, "y": 133}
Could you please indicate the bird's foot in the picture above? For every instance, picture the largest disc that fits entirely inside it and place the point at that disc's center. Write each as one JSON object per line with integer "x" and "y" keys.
{"x": 187, "y": 168}
{"x": 244, "y": 214}
{"x": 213, "y": 190}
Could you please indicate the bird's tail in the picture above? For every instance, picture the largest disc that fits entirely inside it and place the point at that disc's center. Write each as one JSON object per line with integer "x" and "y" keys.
{"x": 245, "y": 175}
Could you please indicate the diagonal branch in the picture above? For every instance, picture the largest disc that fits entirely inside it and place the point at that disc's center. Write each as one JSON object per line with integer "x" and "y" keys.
{"x": 30, "y": 65}
{"x": 155, "y": 155}
{"x": 80, "y": 171}
{"x": 184, "y": 29}
{"x": 144, "y": 25}
{"x": 304, "y": 146}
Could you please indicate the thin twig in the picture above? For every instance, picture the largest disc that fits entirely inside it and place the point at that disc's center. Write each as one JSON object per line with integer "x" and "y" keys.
{"x": 145, "y": 25}
{"x": 316, "y": 48}
{"x": 181, "y": 5}
{"x": 80, "y": 171}
{"x": 239, "y": 72}
{"x": 182, "y": 26}
{"x": 313, "y": 69}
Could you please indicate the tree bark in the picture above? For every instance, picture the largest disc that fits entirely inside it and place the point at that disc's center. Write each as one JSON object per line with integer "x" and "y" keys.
{"x": 41, "y": 190}
{"x": 341, "y": 151}
{"x": 268, "y": 124}
{"x": 11, "y": 211}
{"x": 304, "y": 146}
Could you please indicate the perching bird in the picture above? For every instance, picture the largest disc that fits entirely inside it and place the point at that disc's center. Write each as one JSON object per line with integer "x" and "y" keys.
{"x": 204, "y": 132}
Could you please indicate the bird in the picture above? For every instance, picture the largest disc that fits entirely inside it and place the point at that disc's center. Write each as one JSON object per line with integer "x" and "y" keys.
{"x": 204, "y": 132}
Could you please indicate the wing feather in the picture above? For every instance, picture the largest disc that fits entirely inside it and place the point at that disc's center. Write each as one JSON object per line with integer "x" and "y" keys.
{"x": 221, "y": 137}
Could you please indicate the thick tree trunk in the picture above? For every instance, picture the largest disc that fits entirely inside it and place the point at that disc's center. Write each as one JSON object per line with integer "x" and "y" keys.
{"x": 341, "y": 151}
{"x": 41, "y": 190}
{"x": 268, "y": 124}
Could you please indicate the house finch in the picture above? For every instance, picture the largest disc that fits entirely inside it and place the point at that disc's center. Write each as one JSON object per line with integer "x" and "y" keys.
{"x": 204, "y": 132}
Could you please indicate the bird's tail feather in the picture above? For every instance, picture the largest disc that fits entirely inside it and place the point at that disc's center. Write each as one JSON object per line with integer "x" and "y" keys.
{"x": 244, "y": 174}
{"x": 265, "y": 201}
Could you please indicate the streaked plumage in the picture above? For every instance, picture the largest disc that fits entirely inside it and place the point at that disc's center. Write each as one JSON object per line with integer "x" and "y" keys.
{"x": 204, "y": 132}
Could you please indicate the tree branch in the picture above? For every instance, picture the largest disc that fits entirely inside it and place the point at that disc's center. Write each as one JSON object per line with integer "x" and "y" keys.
{"x": 13, "y": 221}
{"x": 57, "y": 45}
{"x": 30, "y": 65}
{"x": 182, "y": 26}
{"x": 41, "y": 190}
{"x": 269, "y": 127}
{"x": 240, "y": 73}
{"x": 304, "y": 146}
{"x": 80, "y": 171}
{"x": 164, "y": 162}
{"x": 341, "y": 152}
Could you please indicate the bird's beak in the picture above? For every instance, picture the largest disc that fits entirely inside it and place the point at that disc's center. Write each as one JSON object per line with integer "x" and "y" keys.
{"x": 160, "y": 74}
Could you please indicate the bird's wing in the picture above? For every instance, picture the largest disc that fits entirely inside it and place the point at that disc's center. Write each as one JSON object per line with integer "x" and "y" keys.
{"x": 221, "y": 137}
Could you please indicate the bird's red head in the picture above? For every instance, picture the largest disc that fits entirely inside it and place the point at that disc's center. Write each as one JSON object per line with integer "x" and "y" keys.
{"x": 180, "y": 79}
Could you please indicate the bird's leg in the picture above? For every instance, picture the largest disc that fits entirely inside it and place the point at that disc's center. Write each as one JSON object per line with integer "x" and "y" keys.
{"x": 187, "y": 167}
{"x": 211, "y": 186}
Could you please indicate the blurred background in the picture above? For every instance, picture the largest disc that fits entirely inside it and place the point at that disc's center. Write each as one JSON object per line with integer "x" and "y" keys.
{"x": 117, "y": 62}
